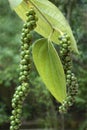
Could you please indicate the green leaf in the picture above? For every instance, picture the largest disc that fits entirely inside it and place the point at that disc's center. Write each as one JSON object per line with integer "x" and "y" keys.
{"x": 50, "y": 68}
{"x": 49, "y": 17}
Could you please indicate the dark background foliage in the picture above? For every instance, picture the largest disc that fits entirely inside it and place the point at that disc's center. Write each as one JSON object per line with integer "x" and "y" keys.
{"x": 40, "y": 106}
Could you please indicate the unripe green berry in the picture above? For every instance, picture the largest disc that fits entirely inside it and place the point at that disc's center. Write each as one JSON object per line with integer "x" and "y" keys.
{"x": 23, "y": 88}
{"x": 16, "y": 127}
{"x": 23, "y": 62}
{"x": 69, "y": 42}
{"x": 64, "y": 40}
{"x": 13, "y": 100}
{"x": 13, "y": 123}
{"x": 21, "y": 93}
{"x": 18, "y": 88}
{"x": 25, "y": 73}
{"x": 26, "y": 31}
{"x": 26, "y": 46}
{"x": 25, "y": 39}
{"x": 13, "y": 112}
{"x": 17, "y": 120}
{"x": 12, "y": 118}
{"x": 30, "y": 17}
{"x": 17, "y": 97}
{"x": 23, "y": 35}
{"x": 22, "y": 53}
{"x": 31, "y": 12}
{"x": 27, "y": 52}
{"x": 68, "y": 76}
{"x": 11, "y": 128}
{"x": 26, "y": 84}
{"x": 65, "y": 45}
{"x": 18, "y": 116}
{"x": 67, "y": 37}
{"x": 64, "y": 50}
{"x": 25, "y": 67}
{"x": 23, "y": 30}
{"x": 25, "y": 25}
{"x": 19, "y": 111}
{"x": 33, "y": 22}
{"x": 13, "y": 105}
{"x": 26, "y": 57}
{"x": 68, "y": 72}
{"x": 21, "y": 73}
{"x": 29, "y": 36}
{"x": 73, "y": 78}
{"x": 22, "y": 78}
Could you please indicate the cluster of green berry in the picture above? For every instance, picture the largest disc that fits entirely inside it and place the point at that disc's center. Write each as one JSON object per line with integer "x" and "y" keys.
{"x": 71, "y": 81}
{"x": 22, "y": 90}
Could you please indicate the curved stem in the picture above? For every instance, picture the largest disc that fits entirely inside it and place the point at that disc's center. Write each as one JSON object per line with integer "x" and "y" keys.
{"x": 55, "y": 28}
{"x": 49, "y": 38}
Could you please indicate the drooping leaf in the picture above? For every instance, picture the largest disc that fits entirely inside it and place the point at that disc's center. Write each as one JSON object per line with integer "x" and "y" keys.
{"x": 50, "y": 68}
{"x": 49, "y": 17}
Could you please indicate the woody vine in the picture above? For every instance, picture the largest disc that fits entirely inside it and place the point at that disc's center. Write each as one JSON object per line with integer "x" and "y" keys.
{"x": 55, "y": 71}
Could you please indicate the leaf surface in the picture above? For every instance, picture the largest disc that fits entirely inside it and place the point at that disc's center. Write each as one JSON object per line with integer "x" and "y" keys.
{"x": 50, "y": 68}
{"x": 49, "y": 17}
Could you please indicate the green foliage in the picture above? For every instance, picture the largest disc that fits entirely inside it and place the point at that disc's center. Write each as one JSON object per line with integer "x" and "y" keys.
{"x": 46, "y": 59}
{"x": 50, "y": 18}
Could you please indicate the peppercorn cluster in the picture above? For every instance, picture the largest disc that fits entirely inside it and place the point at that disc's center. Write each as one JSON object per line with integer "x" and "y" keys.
{"x": 71, "y": 80}
{"x": 23, "y": 89}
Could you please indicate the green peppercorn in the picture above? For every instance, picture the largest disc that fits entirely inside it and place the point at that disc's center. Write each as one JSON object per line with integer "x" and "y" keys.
{"x": 11, "y": 128}
{"x": 21, "y": 93}
{"x": 26, "y": 46}
{"x": 12, "y": 118}
{"x": 26, "y": 31}
{"x": 22, "y": 78}
{"x": 23, "y": 35}
{"x": 13, "y": 112}
{"x": 25, "y": 73}
{"x": 30, "y": 18}
{"x": 25, "y": 25}
{"x": 23, "y": 62}
{"x": 22, "y": 53}
{"x": 13, "y": 105}
{"x": 26, "y": 57}
{"x": 19, "y": 111}
{"x": 27, "y": 52}
{"x": 31, "y": 12}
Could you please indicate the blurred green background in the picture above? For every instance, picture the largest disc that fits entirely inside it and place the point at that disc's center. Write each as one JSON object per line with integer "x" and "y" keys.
{"x": 40, "y": 108}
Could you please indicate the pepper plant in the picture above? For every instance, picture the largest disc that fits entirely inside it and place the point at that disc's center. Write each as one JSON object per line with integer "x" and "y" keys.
{"x": 55, "y": 68}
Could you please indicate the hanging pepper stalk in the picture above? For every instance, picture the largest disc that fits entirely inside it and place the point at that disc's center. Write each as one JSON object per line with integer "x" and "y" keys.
{"x": 71, "y": 81}
{"x": 23, "y": 89}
